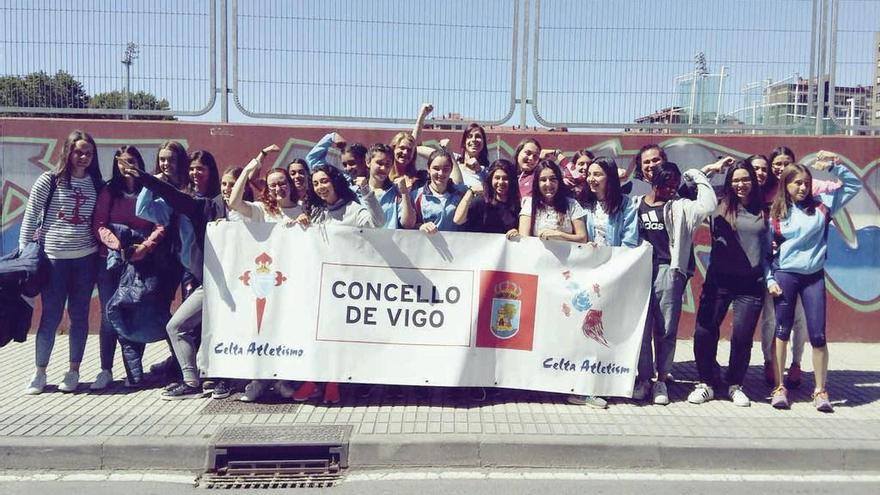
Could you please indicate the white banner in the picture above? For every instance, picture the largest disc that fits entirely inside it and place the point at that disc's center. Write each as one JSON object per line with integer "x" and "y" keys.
{"x": 404, "y": 307}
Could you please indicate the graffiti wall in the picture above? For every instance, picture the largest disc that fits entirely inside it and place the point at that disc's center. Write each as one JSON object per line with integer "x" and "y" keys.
{"x": 29, "y": 147}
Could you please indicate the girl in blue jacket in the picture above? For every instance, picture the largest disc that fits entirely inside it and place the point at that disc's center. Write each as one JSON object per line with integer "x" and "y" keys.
{"x": 799, "y": 227}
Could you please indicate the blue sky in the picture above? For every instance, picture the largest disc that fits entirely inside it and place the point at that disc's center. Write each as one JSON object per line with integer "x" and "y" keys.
{"x": 599, "y": 61}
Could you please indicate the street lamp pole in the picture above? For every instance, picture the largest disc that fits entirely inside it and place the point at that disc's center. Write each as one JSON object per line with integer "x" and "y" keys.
{"x": 128, "y": 58}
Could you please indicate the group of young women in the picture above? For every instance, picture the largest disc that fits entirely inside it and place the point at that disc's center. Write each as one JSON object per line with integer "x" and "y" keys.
{"x": 141, "y": 236}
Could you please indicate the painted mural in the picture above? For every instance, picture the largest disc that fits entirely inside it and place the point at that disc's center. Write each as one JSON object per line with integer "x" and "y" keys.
{"x": 28, "y": 147}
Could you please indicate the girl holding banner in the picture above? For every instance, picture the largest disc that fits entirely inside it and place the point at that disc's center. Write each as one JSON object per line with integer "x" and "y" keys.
{"x": 550, "y": 213}
{"x": 610, "y": 221}
{"x": 492, "y": 207}
{"x": 336, "y": 204}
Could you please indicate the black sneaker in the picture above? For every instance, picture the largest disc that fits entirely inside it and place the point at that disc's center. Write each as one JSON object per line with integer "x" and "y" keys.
{"x": 221, "y": 390}
{"x": 183, "y": 391}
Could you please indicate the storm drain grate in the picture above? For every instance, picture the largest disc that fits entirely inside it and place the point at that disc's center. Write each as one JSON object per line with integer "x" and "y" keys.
{"x": 299, "y": 456}
{"x": 269, "y": 404}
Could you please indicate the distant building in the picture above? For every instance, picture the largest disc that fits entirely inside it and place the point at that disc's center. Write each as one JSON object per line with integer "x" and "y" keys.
{"x": 787, "y": 103}
{"x": 875, "y": 118}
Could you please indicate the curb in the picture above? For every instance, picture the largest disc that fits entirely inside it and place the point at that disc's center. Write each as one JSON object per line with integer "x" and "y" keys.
{"x": 104, "y": 453}
{"x": 611, "y": 452}
{"x": 463, "y": 451}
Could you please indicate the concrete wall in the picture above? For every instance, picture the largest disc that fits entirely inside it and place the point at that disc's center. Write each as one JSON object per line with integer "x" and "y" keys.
{"x": 30, "y": 146}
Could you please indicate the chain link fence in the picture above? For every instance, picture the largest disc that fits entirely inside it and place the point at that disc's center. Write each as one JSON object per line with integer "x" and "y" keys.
{"x": 854, "y": 88}
{"x": 634, "y": 65}
{"x": 89, "y": 56}
{"x": 652, "y": 64}
{"x": 375, "y": 60}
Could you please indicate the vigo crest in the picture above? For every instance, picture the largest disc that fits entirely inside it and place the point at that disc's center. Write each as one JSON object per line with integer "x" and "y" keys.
{"x": 261, "y": 281}
{"x": 506, "y": 308}
{"x": 588, "y": 302}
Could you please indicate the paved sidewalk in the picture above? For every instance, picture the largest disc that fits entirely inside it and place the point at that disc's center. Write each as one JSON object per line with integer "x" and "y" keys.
{"x": 117, "y": 429}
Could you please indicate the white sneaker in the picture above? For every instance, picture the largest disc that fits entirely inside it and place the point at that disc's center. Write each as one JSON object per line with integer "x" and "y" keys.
{"x": 641, "y": 390}
{"x": 38, "y": 383}
{"x": 104, "y": 378}
{"x": 661, "y": 396}
{"x": 588, "y": 400}
{"x": 70, "y": 382}
{"x": 253, "y": 391}
{"x": 702, "y": 393}
{"x": 739, "y": 398}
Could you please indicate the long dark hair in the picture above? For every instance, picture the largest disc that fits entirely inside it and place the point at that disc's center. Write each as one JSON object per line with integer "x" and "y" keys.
{"x": 483, "y": 155}
{"x": 729, "y": 201}
{"x": 613, "y": 196}
{"x": 117, "y": 184}
{"x": 181, "y": 172}
{"x": 513, "y": 199}
{"x": 337, "y": 180}
{"x": 522, "y": 144}
{"x": 637, "y": 159}
{"x": 560, "y": 200}
{"x": 93, "y": 170}
{"x": 207, "y": 159}
{"x": 771, "y": 182}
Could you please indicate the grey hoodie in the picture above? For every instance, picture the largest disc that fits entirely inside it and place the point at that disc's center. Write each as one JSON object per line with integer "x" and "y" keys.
{"x": 682, "y": 217}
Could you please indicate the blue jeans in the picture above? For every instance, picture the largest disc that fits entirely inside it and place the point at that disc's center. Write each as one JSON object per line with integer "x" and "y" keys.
{"x": 661, "y": 324}
{"x": 811, "y": 289}
{"x": 108, "y": 281}
{"x": 719, "y": 291}
{"x": 70, "y": 282}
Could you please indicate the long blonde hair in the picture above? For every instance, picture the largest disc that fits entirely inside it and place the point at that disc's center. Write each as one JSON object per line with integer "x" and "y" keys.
{"x": 782, "y": 202}
{"x": 410, "y": 166}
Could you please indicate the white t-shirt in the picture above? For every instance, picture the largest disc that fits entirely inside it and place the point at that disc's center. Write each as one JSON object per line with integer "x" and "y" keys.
{"x": 259, "y": 213}
{"x": 550, "y": 219}
{"x": 600, "y": 225}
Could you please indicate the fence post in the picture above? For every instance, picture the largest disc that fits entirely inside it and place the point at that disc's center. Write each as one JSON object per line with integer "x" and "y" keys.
{"x": 820, "y": 91}
{"x": 224, "y": 78}
{"x": 524, "y": 77}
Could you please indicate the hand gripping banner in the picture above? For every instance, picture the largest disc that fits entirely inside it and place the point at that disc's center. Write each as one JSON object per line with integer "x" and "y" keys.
{"x": 404, "y": 307}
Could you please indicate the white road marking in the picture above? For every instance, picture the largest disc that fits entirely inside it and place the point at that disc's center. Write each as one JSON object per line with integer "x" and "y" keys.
{"x": 609, "y": 476}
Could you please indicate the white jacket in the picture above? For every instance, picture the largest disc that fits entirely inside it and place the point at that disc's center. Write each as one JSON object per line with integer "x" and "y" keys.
{"x": 682, "y": 217}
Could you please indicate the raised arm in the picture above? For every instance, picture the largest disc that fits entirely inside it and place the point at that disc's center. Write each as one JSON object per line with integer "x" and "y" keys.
{"x": 236, "y": 197}
{"x": 851, "y": 184}
{"x": 424, "y": 110}
{"x": 318, "y": 154}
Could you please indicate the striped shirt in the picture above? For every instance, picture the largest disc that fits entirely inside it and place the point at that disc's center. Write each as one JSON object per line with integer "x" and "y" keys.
{"x": 67, "y": 233}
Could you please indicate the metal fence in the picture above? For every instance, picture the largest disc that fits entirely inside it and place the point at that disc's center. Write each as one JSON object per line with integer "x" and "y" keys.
{"x": 854, "y": 99}
{"x": 639, "y": 65}
{"x": 84, "y": 57}
{"x": 375, "y": 60}
{"x": 671, "y": 63}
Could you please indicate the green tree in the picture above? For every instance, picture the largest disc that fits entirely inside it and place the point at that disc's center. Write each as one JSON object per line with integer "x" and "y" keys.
{"x": 39, "y": 89}
{"x": 137, "y": 101}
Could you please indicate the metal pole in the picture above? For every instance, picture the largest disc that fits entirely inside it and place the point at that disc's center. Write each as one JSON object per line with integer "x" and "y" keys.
{"x": 823, "y": 42}
{"x": 720, "y": 95}
{"x": 524, "y": 77}
{"x": 810, "y": 94}
{"x": 832, "y": 62}
{"x": 127, "y": 103}
{"x": 224, "y": 80}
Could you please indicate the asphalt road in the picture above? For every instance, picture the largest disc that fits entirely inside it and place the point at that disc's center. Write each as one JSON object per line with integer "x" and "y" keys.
{"x": 495, "y": 482}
